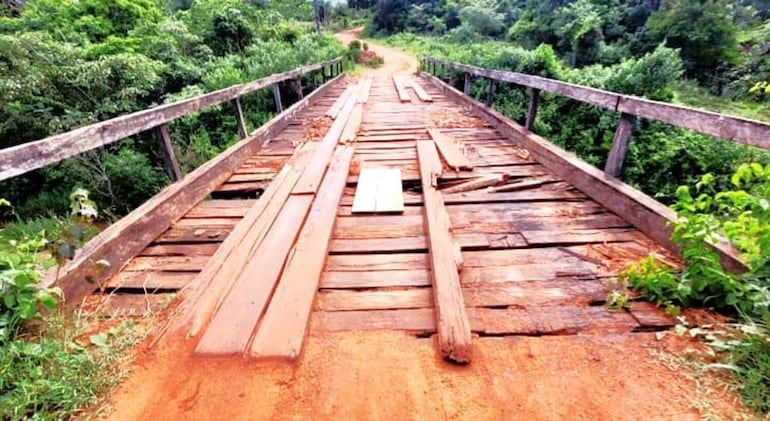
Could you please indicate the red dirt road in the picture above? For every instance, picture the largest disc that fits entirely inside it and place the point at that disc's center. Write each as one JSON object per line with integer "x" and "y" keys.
{"x": 396, "y": 61}
{"x": 389, "y": 375}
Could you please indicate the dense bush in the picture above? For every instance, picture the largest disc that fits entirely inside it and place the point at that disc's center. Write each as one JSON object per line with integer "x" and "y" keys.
{"x": 64, "y": 65}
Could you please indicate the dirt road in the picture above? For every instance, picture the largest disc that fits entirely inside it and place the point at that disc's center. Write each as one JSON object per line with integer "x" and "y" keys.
{"x": 396, "y": 61}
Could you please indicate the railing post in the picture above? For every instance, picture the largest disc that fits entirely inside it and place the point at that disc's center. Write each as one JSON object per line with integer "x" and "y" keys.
{"x": 467, "y": 86}
{"x": 167, "y": 150}
{"x": 299, "y": 87}
{"x": 239, "y": 118}
{"x": 451, "y": 77}
{"x": 534, "y": 94}
{"x": 277, "y": 98}
{"x": 620, "y": 145}
{"x": 491, "y": 93}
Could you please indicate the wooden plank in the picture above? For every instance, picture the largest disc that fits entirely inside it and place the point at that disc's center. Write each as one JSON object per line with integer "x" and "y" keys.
{"x": 282, "y": 331}
{"x": 651, "y": 317}
{"x": 232, "y": 326}
{"x": 313, "y": 174}
{"x": 452, "y": 320}
{"x": 376, "y": 279}
{"x": 403, "y": 95}
{"x": 353, "y": 124}
{"x": 645, "y": 213}
{"x": 129, "y": 236}
{"x": 450, "y": 151}
{"x": 167, "y": 151}
{"x": 751, "y": 132}
{"x": 277, "y": 98}
{"x": 390, "y": 195}
{"x": 202, "y": 249}
{"x": 414, "y": 320}
{"x": 377, "y": 262}
{"x": 340, "y": 102}
{"x": 347, "y": 300}
{"x": 620, "y": 145}
{"x": 226, "y": 265}
{"x": 166, "y": 263}
{"x": 363, "y": 95}
{"x": 150, "y": 280}
{"x": 424, "y": 96}
{"x": 365, "y": 199}
{"x": 26, "y": 157}
{"x": 529, "y": 122}
{"x": 240, "y": 121}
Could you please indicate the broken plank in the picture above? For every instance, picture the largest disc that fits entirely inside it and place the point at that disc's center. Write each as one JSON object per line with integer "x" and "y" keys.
{"x": 282, "y": 331}
{"x": 452, "y": 320}
{"x": 452, "y": 153}
{"x": 232, "y": 326}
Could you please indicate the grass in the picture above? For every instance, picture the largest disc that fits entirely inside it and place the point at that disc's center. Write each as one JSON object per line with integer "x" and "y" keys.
{"x": 689, "y": 93}
{"x": 62, "y": 371}
{"x": 750, "y": 361}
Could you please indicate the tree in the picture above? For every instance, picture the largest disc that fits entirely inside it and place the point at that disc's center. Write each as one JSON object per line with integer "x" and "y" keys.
{"x": 482, "y": 17}
{"x": 701, "y": 29}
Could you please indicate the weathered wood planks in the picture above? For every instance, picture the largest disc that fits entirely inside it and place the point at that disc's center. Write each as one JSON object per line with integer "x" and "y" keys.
{"x": 32, "y": 155}
{"x": 452, "y": 320}
{"x": 282, "y": 331}
{"x": 127, "y": 237}
{"x": 449, "y": 149}
{"x": 403, "y": 95}
{"x": 232, "y": 326}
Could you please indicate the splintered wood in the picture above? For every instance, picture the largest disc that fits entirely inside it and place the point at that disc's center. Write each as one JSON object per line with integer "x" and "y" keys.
{"x": 379, "y": 190}
{"x": 450, "y": 150}
{"x": 454, "y": 330}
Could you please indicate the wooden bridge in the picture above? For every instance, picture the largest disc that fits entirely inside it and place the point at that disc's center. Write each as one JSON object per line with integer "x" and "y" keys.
{"x": 492, "y": 231}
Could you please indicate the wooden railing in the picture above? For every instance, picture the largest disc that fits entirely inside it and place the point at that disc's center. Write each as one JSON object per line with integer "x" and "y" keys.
{"x": 630, "y": 107}
{"x": 29, "y": 156}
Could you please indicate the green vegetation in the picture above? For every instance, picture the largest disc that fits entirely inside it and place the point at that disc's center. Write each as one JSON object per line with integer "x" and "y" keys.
{"x": 66, "y": 64}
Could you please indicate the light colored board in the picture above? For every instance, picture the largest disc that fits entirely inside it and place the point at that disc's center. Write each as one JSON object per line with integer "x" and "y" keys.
{"x": 232, "y": 326}
{"x": 390, "y": 195}
{"x": 450, "y": 151}
{"x": 282, "y": 331}
{"x": 452, "y": 320}
{"x": 365, "y": 199}
{"x": 379, "y": 190}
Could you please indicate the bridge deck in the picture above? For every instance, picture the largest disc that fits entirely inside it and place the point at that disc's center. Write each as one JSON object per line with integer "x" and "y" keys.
{"x": 536, "y": 259}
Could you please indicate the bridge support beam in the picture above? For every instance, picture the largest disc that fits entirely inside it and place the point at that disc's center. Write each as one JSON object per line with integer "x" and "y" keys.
{"x": 467, "y": 85}
{"x": 491, "y": 93}
{"x": 167, "y": 150}
{"x": 620, "y": 145}
{"x": 534, "y": 95}
{"x": 238, "y": 110}
{"x": 277, "y": 98}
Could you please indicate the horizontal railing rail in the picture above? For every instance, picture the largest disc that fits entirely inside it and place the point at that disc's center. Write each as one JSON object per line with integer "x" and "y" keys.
{"x": 750, "y": 132}
{"x": 29, "y": 156}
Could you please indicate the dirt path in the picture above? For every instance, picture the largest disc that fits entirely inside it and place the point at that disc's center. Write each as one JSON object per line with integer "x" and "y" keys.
{"x": 396, "y": 61}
